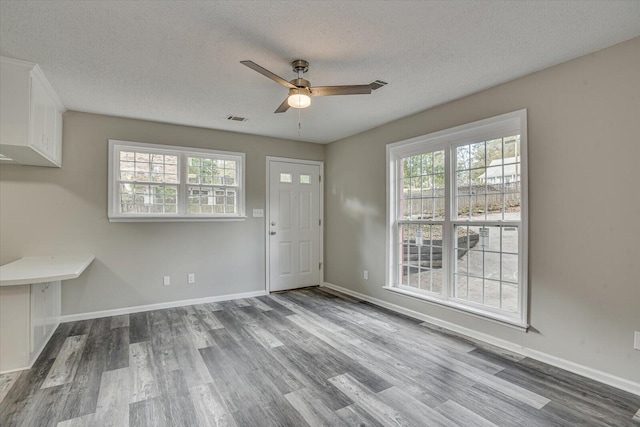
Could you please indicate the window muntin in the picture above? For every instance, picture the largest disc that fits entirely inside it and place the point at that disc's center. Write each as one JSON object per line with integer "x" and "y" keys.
{"x": 159, "y": 182}
{"x": 457, "y": 226}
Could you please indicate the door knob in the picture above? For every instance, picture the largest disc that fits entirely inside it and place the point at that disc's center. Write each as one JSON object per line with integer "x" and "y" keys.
{"x": 273, "y": 233}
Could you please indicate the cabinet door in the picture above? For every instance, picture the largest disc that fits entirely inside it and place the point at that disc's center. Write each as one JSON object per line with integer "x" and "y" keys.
{"x": 39, "y": 106}
{"x": 50, "y": 131}
{"x": 52, "y": 307}
{"x": 57, "y": 155}
{"x": 15, "y": 327}
{"x": 37, "y": 315}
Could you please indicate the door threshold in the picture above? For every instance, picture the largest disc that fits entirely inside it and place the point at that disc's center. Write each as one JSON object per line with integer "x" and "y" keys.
{"x": 304, "y": 288}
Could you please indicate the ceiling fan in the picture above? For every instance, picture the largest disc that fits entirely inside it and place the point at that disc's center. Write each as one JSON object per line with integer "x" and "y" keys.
{"x": 300, "y": 90}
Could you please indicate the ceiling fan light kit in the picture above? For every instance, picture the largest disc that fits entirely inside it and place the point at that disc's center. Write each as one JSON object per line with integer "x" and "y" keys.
{"x": 299, "y": 98}
{"x": 301, "y": 91}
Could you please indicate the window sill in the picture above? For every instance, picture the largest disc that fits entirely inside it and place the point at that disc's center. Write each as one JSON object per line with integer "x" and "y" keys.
{"x": 460, "y": 308}
{"x": 181, "y": 218}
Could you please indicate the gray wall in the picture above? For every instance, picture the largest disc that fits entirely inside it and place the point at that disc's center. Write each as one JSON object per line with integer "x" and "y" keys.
{"x": 47, "y": 211}
{"x": 584, "y": 243}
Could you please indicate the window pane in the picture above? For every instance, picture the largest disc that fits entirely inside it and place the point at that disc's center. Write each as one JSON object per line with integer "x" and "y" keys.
{"x": 142, "y": 170}
{"x": 462, "y": 158}
{"x": 494, "y": 150}
{"x": 305, "y": 179}
{"x": 127, "y": 166}
{"x": 492, "y": 265}
{"x": 462, "y": 182}
{"x": 510, "y": 268}
{"x": 438, "y": 162}
{"x": 476, "y": 155}
{"x": 510, "y": 297}
{"x": 427, "y": 164}
{"x": 285, "y": 177}
{"x": 477, "y": 207}
{"x": 476, "y": 290}
{"x": 230, "y": 177}
{"x": 512, "y": 205}
{"x": 512, "y": 149}
{"x": 127, "y": 156}
{"x": 492, "y": 295}
{"x": 510, "y": 240}
{"x": 463, "y": 204}
{"x": 461, "y": 286}
{"x": 438, "y": 209}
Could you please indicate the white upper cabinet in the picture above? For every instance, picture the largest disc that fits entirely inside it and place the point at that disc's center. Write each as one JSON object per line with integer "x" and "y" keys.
{"x": 30, "y": 115}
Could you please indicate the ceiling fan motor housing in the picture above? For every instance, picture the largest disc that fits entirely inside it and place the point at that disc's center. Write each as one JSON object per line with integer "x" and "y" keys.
{"x": 300, "y": 83}
{"x": 300, "y": 65}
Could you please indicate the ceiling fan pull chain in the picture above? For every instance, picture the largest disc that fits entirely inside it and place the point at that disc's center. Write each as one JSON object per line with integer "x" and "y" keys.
{"x": 299, "y": 122}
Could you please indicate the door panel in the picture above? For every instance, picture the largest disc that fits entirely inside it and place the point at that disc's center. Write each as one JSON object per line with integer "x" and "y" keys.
{"x": 285, "y": 210}
{"x": 285, "y": 258}
{"x": 294, "y": 225}
{"x": 306, "y": 205}
{"x": 306, "y": 254}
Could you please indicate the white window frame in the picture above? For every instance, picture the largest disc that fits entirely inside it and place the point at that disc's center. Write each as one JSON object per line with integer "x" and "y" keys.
{"x": 447, "y": 140}
{"x": 115, "y": 146}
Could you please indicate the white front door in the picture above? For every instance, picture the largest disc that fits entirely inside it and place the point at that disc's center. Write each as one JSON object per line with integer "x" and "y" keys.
{"x": 293, "y": 224}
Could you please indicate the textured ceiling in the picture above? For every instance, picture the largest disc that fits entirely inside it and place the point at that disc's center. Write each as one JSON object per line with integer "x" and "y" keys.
{"x": 178, "y": 62}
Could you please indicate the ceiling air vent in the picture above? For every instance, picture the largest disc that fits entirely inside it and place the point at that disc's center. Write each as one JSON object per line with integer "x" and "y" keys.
{"x": 377, "y": 84}
{"x": 237, "y": 118}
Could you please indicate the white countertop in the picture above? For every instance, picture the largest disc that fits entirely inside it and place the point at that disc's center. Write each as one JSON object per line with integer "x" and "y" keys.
{"x": 42, "y": 269}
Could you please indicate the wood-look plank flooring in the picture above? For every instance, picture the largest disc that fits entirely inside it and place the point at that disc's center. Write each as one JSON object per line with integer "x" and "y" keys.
{"x": 307, "y": 357}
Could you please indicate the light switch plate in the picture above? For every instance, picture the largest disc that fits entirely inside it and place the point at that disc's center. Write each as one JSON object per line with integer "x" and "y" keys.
{"x": 258, "y": 213}
{"x": 636, "y": 340}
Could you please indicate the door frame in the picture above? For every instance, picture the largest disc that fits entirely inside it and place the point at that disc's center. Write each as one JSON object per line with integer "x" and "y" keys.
{"x": 267, "y": 214}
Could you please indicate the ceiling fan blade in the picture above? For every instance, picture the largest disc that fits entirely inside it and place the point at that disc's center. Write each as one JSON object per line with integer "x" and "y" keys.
{"x": 341, "y": 90}
{"x": 284, "y": 106}
{"x": 268, "y": 74}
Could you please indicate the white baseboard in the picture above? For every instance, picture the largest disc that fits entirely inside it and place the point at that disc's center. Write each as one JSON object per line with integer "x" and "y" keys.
{"x": 159, "y": 306}
{"x": 585, "y": 371}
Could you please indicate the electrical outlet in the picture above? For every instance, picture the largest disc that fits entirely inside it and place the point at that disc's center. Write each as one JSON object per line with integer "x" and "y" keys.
{"x": 166, "y": 280}
{"x": 365, "y": 276}
{"x": 191, "y": 278}
{"x": 636, "y": 340}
